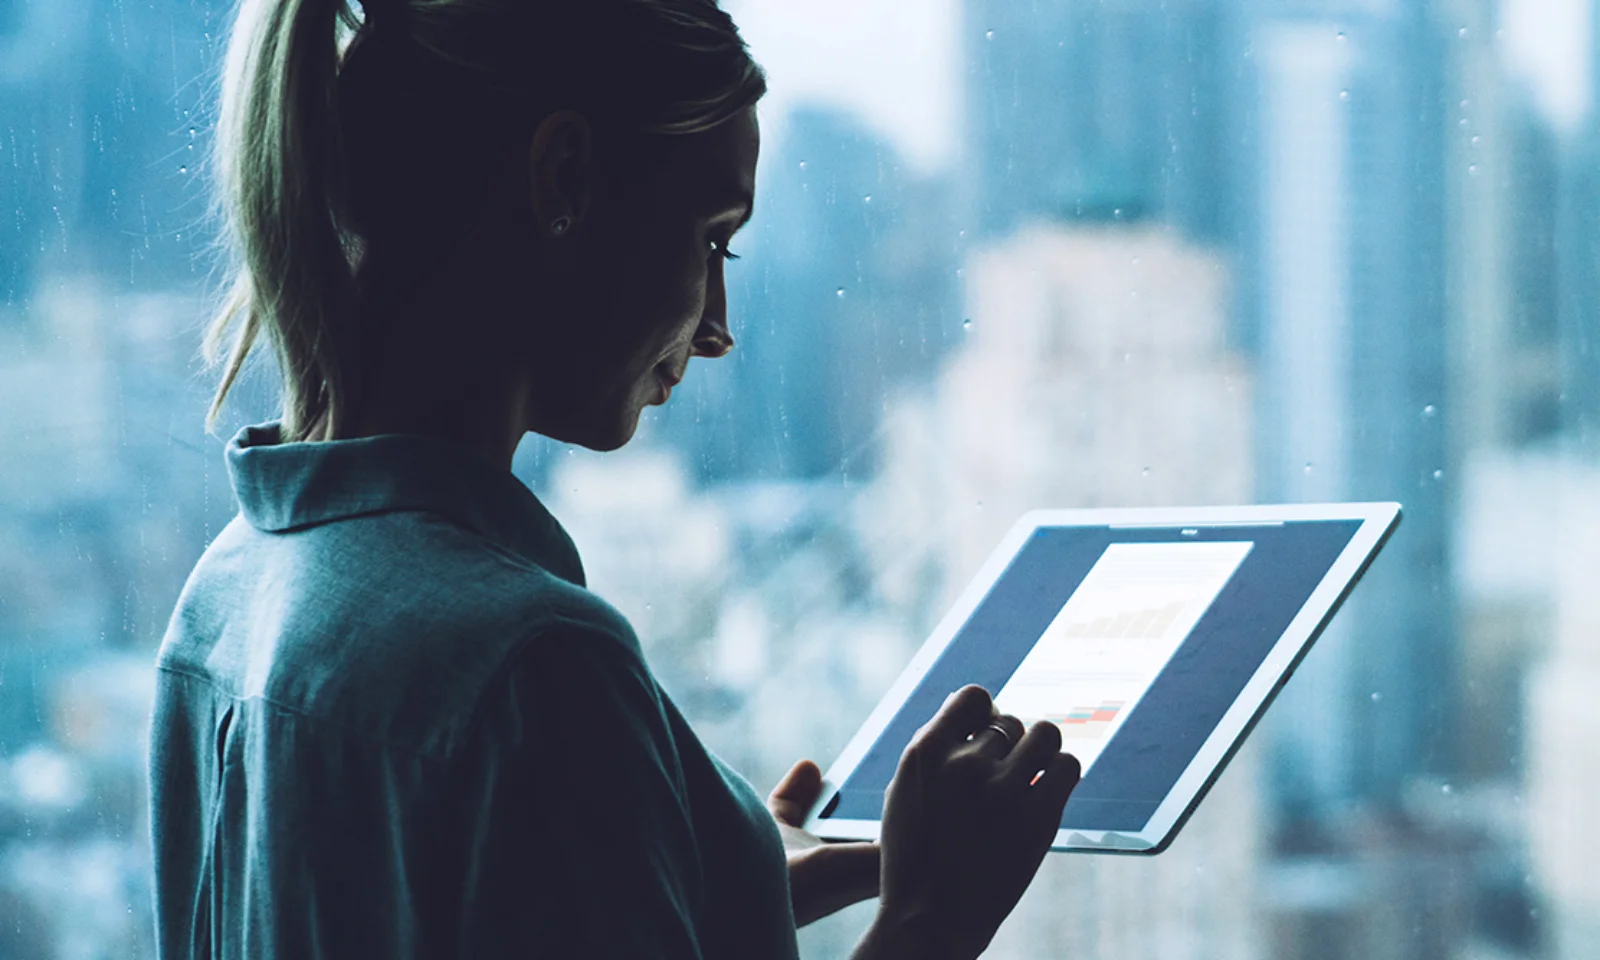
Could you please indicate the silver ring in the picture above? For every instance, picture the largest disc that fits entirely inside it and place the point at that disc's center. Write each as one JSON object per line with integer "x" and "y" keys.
{"x": 996, "y": 726}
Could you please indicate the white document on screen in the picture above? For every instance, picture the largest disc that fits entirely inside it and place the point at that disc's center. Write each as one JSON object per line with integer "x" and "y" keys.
{"x": 1114, "y": 635}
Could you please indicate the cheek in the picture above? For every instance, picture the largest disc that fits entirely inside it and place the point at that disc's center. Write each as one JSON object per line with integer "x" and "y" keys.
{"x": 657, "y": 294}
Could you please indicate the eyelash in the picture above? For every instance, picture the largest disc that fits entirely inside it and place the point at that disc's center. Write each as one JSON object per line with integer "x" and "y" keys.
{"x": 721, "y": 250}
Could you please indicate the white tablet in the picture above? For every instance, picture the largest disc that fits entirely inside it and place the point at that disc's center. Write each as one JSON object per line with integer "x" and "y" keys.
{"x": 1154, "y": 638}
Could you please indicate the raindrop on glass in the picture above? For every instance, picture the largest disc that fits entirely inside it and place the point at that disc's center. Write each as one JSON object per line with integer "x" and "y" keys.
{"x": 183, "y": 169}
{"x": 1462, "y": 33}
{"x": 1339, "y": 36}
{"x": 1476, "y": 139}
{"x": 1430, "y": 411}
{"x": 1310, "y": 467}
{"x": 1146, "y": 472}
{"x": 1472, "y": 170}
{"x": 1438, "y": 474}
{"x": 1344, "y": 94}
{"x": 988, "y": 35}
{"x": 1446, "y": 789}
{"x": 1377, "y": 697}
{"x": 867, "y": 198}
{"x": 802, "y": 164}
{"x": 966, "y": 324}
{"x": 839, "y": 293}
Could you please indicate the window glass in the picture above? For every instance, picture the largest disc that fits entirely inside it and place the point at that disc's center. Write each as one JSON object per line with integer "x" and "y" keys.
{"x": 1007, "y": 254}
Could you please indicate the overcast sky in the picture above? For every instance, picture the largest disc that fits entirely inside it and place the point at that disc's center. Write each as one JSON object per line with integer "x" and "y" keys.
{"x": 893, "y": 62}
{"x": 896, "y": 63}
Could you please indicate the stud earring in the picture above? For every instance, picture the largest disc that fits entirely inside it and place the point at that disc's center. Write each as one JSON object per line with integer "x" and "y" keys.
{"x": 560, "y": 225}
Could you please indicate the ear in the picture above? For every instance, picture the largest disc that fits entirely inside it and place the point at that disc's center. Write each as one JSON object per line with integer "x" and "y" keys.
{"x": 561, "y": 172}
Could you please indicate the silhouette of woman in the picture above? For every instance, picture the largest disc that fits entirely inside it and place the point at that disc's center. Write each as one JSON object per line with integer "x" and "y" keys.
{"x": 390, "y": 720}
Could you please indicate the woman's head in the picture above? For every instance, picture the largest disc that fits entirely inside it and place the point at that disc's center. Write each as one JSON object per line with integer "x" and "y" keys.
{"x": 555, "y": 179}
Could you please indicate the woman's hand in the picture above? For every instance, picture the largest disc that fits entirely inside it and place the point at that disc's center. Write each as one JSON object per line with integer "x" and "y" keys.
{"x": 966, "y": 823}
{"x": 823, "y": 877}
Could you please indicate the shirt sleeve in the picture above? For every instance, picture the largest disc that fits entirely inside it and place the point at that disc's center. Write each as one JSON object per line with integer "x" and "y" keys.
{"x": 582, "y": 843}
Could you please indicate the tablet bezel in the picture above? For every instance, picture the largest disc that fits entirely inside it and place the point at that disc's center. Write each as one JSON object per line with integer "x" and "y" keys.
{"x": 1378, "y": 521}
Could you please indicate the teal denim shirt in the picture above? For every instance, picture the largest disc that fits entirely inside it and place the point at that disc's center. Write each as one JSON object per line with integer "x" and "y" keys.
{"x": 391, "y": 722}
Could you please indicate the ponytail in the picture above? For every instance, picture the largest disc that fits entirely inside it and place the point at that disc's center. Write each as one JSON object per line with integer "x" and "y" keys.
{"x": 278, "y": 169}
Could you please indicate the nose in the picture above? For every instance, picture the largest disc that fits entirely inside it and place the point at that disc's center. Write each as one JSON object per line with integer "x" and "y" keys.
{"x": 712, "y": 338}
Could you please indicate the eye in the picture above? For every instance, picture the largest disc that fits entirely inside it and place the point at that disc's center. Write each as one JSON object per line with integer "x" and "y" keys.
{"x": 720, "y": 249}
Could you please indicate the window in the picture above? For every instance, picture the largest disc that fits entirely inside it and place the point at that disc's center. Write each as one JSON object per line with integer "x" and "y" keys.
{"x": 1007, "y": 255}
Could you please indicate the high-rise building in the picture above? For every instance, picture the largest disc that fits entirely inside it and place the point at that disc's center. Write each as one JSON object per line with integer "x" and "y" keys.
{"x": 1348, "y": 253}
{"x": 1099, "y": 110}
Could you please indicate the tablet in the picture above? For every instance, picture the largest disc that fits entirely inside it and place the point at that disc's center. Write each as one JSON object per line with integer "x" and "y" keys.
{"x": 1154, "y": 638}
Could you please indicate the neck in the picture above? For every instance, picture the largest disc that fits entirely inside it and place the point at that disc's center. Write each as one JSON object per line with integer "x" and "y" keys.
{"x": 426, "y": 376}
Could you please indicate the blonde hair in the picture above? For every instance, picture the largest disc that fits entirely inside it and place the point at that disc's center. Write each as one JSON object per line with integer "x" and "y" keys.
{"x": 313, "y": 95}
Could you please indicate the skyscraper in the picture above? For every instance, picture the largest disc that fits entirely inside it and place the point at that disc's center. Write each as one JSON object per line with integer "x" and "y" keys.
{"x": 1097, "y": 110}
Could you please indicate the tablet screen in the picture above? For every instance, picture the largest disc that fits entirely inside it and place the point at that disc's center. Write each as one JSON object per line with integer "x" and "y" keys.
{"x": 1134, "y": 640}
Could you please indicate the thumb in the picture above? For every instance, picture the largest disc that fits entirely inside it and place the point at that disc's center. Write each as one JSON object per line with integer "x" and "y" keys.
{"x": 794, "y": 796}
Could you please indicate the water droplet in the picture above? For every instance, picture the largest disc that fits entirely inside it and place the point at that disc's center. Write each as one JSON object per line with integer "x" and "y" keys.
{"x": 1310, "y": 467}
{"x": 1377, "y": 697}
{"x": 839, "y": 293}
{"x": 184, "y": 169}
{"x": 1117, "y": 213}
{"x": 966, "y": 324}
{"x": 1430, "y": 411}
{"x": 1465, "y": 104}
{"x": 1339, "y": 36}
{"x": 1344, "y": 94}
{"x": 980, "y": 504}
{"x": 1146, "y": 472}
{"x": 802, "y": 164}
{"x": 1446, "y": 789}
{"x": 1476, "y": 139}
{"x": 988, "y": 35}
{"x": 867, "y": 198}
{"x": 1472, "y": 170}
{"x": 1462, "y": 33}
{"x": 1438, "y": 474}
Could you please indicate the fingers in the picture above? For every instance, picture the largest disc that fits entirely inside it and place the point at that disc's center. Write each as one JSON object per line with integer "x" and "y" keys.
{"x": 963, "y": 714}
{"x": 794, "y": 796}
{"x": 1055, "y": 785}
{"x": 1032, "y": 752}
{"x": 997, "y": 736}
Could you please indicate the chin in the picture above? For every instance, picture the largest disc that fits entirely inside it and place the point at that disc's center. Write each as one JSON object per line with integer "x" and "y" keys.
{"x": 604, "y": 437}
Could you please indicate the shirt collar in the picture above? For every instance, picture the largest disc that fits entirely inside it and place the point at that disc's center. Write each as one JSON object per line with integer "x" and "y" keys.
{"x": 289, "y": 486}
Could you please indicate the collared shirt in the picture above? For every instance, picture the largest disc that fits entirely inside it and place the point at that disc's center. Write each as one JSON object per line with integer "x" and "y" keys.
{"x": 392, "y": 722}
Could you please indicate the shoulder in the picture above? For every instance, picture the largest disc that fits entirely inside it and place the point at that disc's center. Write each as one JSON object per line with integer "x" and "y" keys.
{"x": 392, "y": 627}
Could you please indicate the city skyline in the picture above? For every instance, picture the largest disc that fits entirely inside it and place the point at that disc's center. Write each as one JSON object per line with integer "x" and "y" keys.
{"x": 1262, "y": 252}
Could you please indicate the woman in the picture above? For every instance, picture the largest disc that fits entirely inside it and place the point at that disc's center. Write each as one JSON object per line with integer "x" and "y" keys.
{"x": 391, "y": 722}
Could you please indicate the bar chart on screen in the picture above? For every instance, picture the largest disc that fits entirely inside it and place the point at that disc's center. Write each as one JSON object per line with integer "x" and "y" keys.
{"x": 1113, "y": 636}
{"x": 1091, "y": 723}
